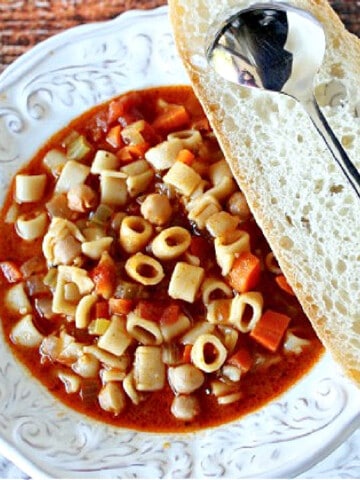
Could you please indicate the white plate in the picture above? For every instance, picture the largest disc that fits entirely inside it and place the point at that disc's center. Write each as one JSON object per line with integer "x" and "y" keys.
{"x": 40, "y": 93}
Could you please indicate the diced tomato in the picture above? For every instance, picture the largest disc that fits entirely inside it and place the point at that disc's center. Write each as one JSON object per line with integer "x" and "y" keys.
{"x": 241, "y": 359}
{"x": 125, "y": 110}
{"x": 150, "y": 310}
{"x": 170, "y": 314}
{"x": 200, "y": 248}
{"x": 120, "y": 306}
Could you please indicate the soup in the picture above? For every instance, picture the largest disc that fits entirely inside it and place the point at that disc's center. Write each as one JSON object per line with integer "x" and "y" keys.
{"x": 135, "y": 284}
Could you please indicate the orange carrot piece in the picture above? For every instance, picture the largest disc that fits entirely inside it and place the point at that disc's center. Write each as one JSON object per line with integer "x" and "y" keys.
{"x": 170, "y": 314}
{"x": 11, "y": 271}
{"x": 270, "y": 329}
{"x": 113, "y": 137}
{"x": 132, "y": 152}
{"x": 185, "y": 156}
{"x": 283, "y": 284}
{"x": 173, "y": 117}
{"x": 241, "y": 359}
{"x": 120, "y": 306}
{"x": 245, "y": 272}
{"x": 186, "y": 356}
{"x": 116, "y": 109}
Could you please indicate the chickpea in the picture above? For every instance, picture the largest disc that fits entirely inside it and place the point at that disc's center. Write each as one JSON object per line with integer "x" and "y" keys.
{"x": 185, "y": 407}
{"x": 185, "y": 378}
{"x": 81, "y": 198}
{"x": 67, "y": 250}
{"x": 156, "y": 208}
{"x": 86, "y": 366}
{"x": 237, "y": 205}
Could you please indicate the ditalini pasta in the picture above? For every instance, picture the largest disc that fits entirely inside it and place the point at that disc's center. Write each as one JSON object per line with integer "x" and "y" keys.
{"x": 134, "y": 281}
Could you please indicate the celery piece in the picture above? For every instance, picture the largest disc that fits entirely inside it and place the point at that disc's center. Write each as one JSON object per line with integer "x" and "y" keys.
{"x": 98, "y": 326}
{"x": 102, "y": 214}
{"x": 50, "y": 278}
{"x": 70, "y": 137}
{"x": 78, "y": 148}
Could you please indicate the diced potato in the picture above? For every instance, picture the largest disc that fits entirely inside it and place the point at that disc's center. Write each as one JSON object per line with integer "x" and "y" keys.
{"x": 25, "y": 333}
{"x": 16, "y": 299}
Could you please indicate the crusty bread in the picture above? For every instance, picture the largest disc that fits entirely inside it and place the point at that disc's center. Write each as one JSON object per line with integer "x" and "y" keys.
{"x": 298, "y": 194}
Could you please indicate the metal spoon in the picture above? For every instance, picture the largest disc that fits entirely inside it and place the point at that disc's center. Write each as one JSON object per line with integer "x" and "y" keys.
{"x": 280, "y": 48}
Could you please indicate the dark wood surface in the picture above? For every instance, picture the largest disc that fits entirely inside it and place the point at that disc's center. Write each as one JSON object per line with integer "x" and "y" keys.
{"x": 24, "y": 23}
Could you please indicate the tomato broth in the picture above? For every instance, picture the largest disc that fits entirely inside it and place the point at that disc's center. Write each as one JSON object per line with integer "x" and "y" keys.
{"x": 137, "y": 288}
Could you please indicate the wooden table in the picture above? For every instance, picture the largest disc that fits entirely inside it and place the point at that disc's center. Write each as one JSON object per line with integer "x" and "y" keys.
{"x": 24, "y": 23}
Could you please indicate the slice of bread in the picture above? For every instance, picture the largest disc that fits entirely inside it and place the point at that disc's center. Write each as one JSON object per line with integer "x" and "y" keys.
{"x": 296, "y": 191}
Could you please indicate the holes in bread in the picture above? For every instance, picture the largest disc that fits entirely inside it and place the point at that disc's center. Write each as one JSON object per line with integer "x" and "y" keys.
{"x": 347, "y": 141}
{"x": 337, "y": 70}
{"x": 357, "y": 110}
{"x": 286, "y": 243}
{"x": 336, "y": 188}
{"x": 332, "y": 94}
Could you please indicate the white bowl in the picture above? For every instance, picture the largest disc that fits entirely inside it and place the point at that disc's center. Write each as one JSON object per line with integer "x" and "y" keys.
{"x": 39, "y": 94}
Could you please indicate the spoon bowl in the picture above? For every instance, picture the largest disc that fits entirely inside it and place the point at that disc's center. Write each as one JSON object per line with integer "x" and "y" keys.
{"x": 279, "y": 48}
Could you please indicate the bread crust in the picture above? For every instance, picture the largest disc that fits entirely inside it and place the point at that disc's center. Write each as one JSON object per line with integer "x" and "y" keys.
{"x": 310, "y": 215}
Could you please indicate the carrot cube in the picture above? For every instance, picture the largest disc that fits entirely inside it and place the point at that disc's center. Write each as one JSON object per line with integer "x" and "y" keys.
{"x": 270, "y": 329}
{"x": 245, "y": 272}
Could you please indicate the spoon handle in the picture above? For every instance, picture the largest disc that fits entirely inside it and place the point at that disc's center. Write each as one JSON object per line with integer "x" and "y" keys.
{"x": 333, "y": 143}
